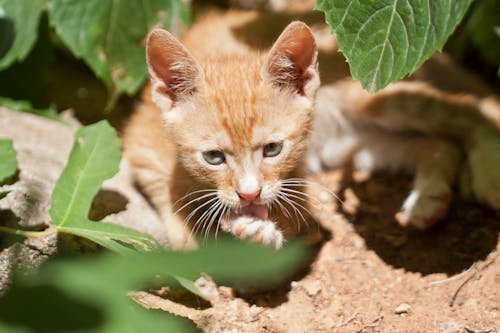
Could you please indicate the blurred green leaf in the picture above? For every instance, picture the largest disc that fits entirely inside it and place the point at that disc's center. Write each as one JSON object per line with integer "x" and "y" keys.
{"x": 55, "y": 309}
{"x": 8, "y": 163}
{"x": 25, "y": 106}
{"x": 90, "y": 293}
{"x": 484, "y": 18}
{"x": 109, "y": 35}
{"x": 384, "y": 40}
{"x": 34, "y": 69}
{"x": 94, "y": 158}
{"x": 18, "y": 29}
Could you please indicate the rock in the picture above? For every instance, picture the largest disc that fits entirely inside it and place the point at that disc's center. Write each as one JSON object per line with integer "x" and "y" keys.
{"x": 450, "y": 327}
{"x": 312, "y": 287}
{"x": 207, "y": 287}
{"x": 402, "y": 308}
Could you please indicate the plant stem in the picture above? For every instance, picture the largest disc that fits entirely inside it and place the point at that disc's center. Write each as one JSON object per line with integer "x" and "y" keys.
{"x": 25, "y": 233}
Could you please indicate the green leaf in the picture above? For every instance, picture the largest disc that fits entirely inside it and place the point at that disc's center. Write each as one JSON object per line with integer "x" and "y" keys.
{"x": 55, "y": 309}
{"x": 94, "y": 158}
{"x": 25, "y": 106}
{"x": 384, "y": 40}
{"x": 8, "y": 163}
{"x": 109, "y": 35}
{"x": 19, "y": 28}
{"x": 89, "y": 294}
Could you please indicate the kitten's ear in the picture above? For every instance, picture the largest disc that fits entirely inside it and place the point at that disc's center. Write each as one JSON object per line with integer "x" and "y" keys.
{"x": 293, "y": 60}
{"x": 175, "y": 74}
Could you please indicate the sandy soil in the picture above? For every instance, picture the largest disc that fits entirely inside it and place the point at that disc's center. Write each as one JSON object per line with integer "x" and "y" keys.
{"x": 372, "y": 275}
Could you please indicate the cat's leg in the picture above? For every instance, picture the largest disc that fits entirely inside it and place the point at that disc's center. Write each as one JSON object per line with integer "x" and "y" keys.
{"x": 483, "y": 162}
{"x": 435, "y": 174}
{"x": 256, "y": 230}
{"x": 435, "y": 163}
{"x": 155, "y": 186}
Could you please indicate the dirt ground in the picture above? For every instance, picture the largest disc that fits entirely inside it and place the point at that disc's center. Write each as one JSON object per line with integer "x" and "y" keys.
{"x": 372, "y": 275}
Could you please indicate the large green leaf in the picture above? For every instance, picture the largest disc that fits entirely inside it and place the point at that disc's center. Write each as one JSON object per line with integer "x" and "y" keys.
{"x": 109, "y": 35}
{"x": 94, "y": 158}
{"x": 89, "y": 294}
{"x": 384, "y": 40}
{"x": 8, "y": 163}
{"x": 18, "y": 30}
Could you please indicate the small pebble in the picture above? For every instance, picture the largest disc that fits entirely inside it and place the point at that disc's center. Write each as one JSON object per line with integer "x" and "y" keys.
{"x": 312, "y": 288}
{"x": 359, "y": 243}
{"x": 450, "y": 327}
{"x": 402, "y": 308}
{"x": 207, "y": 287}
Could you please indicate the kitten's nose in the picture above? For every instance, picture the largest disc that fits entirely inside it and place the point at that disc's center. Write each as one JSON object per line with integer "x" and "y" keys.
{"x": 249, "y": 196}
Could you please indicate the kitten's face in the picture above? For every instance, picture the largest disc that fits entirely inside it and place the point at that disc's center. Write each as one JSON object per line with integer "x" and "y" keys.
{"x": 242, "y": 148}
{"x": 242, "y": 124}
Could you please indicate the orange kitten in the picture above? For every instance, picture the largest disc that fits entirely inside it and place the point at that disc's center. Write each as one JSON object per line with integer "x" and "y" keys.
{"x": 223, "y": 143}
{"x": 227, "y": 109}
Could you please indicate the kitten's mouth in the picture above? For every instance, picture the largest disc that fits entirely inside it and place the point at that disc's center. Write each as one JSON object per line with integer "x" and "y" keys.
{"x": 254, "y": 209}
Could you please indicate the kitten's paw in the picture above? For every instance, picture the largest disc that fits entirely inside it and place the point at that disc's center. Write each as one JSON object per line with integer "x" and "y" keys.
{"x": 424, "y": 208}
{"x": 258, "y": 231}
{"x": 484, "y": 163}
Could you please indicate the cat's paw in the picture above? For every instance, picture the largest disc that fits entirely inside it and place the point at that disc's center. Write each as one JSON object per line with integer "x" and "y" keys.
{"x": 484, "y": 164}
{"x": 425, "y": 207}
{"x": 258, "y": 231}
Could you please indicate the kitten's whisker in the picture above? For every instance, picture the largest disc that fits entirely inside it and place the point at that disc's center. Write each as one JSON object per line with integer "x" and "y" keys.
{"x": 285, "y": 210}
{"x": 199, "y": 221}
{"x": 215, "y": 213}
{"x": 289, "y": 195}
{"x": 224, "y": 209}
{"x": 186, "y": 221}
{"x": 297, "y": 182}
{"x": 205, "y": 216}
{"x": 223, "y": 213}
{"x": 306, "y": 195}
{"x": 305, "y": 201}
{"x": 208, "y": 195}
{"x": 218, "y": 215}
{"x": 296, "y": 211}
{"x": 193, "y": 193}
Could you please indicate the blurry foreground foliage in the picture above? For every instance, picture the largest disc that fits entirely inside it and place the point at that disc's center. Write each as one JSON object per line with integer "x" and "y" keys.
{"x": 90, "y": 295}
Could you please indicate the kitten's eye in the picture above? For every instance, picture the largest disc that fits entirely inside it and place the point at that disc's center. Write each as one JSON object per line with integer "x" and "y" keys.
{"x": 214, "y": 157}
{"x": 272, "y": 149}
